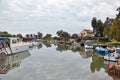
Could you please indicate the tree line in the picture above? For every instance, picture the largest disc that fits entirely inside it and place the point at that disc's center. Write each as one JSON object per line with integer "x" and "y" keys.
{"x": 108, "y": 29}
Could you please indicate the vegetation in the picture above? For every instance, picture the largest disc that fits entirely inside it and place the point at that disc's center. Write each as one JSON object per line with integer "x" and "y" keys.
{"x": 109, "y": 29}
{"x": 5, "y": 34}
{"x": 98, "y": 27}
{"x": 63, "y": 35}
{"x": 115, "y": 30}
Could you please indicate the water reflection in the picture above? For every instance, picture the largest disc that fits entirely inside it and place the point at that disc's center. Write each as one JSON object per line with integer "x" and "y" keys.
{"x": 86, "y": 53}
{"x": 39, "y": 45}
{"x": 48, "y": 65}
{"x": 62, "y": 47}
{"x": 47, "y": 44}
{"x": 9, "y": 62}
{"x": 97, "y": 63}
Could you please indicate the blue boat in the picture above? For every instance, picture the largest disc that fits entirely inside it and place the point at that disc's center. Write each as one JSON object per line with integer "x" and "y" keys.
{"x": 102, "y": 51}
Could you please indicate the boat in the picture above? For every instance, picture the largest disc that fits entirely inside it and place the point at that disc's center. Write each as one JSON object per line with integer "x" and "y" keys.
{"x": 110, "y": 57}
{"x": 12, "y": 45}
{"x": 12, "y": 61}
{"x": 102, "y": 51}
{"x": 88, "y": 44}
{"x": 17, "y": 45}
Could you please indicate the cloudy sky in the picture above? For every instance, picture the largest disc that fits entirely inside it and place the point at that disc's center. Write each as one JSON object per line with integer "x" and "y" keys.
{"x": 49, "y": 16}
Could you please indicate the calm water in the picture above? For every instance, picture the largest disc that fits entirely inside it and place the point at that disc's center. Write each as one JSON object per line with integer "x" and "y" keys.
{"x": 54, "y": 63}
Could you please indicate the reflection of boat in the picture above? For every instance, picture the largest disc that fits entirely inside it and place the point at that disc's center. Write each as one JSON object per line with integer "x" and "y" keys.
{"x": 85, "y": 55}
{"x": 102, "y": 51}
{"x": 110, "y": 57}
{"x": 91, "y": 51}
{"x": 9, "y": 62}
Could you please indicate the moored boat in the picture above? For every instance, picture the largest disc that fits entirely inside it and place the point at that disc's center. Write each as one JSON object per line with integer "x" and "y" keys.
{"x": 88, "y": 44}
{"x": 109, "y": 57}
{"x": 17, "y": 45}
{"x": 12, "y": 45}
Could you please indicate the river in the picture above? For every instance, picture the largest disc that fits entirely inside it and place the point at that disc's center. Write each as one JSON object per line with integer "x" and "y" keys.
{"x": 55, "y": 62}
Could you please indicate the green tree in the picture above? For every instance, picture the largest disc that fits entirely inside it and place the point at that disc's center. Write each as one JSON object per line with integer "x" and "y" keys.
{"x": 63, "y": 35}
{"x": 5, "y": 34}
{"x": 74, "y": 35}
{"x": 107, "y": 24}
{"x": 47, "y": 37}
{"x": 19, "y": 35}
{"x": 39, "y": 35}
{"x": 100, "y": 28}
{"x": 118, "y": 15}
{"x": 94, "y": 25}
{"x": 115, "y": 30}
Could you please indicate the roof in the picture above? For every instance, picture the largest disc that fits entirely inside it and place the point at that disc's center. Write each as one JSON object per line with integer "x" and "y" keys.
{"x": 88, "y": 31}
{"x": 3, "y": 38}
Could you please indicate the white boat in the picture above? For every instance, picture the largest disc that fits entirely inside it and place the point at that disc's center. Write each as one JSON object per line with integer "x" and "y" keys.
{"x": 88, "y": 44}
{"x": 12, "y": 45}
{"x": 17, "y": 45}
{"x": 111, "y": 57}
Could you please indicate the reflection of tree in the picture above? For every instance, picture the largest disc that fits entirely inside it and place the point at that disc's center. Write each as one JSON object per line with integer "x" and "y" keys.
{"x": 47, "y": 44}
{"x": 62, "y": 47}
{"x": 76, "y": 49}
{"x": 114, "y": 73}
{"x": 97, "y": 63}
{"x": 86, "y": 53}
{"x": 39, "y": 45}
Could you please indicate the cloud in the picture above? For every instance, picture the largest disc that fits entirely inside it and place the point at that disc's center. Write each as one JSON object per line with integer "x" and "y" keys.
{"x": 50, "y": 13}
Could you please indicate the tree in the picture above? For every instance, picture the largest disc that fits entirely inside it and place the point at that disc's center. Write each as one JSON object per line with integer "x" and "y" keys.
{"x": 5, "y": 34}
{"x": 94, "y": 25}
{"x": 118, "y": 15}
{"x": 74, "y": 35}
{"x": 107, "y": 24}
{"x": 19, "y": 35}
{"x": 39, "y": 35}
{"x": 100, "y": 28}
{"x": 63, "y": 35}
{"x": 115, "y": 30}
{"x": 47, "y": 37}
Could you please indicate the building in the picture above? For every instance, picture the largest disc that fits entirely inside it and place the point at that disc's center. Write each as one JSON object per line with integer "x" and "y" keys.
{"x": 86, "y": 32}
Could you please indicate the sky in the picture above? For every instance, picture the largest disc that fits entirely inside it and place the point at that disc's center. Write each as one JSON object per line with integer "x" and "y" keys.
{"x": 50, "y": 16}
